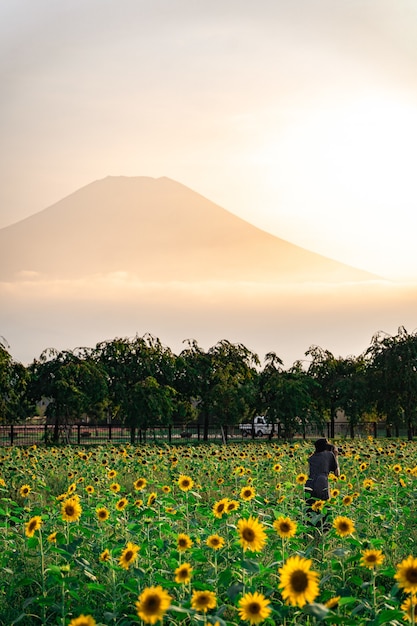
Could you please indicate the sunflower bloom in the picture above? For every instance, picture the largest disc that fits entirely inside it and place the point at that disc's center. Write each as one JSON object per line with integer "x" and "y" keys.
{"x": 33, "y": 525}
{"x": 185, "y": 483}
{"x": 232, "y": 505}
{"x": 71, "y": 510}
{"x": 121, "y": 504}
{"x": 52, "y": 537}
{"x": 254, "y": 608}
{"x": 301, "y": 479}
{"x": 140, "y": 484}
{"x": 184, "y": 542}
{"x": 409, "y": 607}
{"x": 129, "y": 555}
{"x": 407, "y": 575}
{"x": 347, "y": 500}
{"x": 102, "y": 514}
{"x": 252, "y": 534}
{"x": 25, "y": 490}
{"x": 298, "y": 582}
{"x": 247, "y": 493}
{"x": 332, "y": 603}
{"x": 115, "y": 487}
{"x": 344, "y": 526}
{"x": 372, "y": 558}
{"x": 105, "y": 556}
{"x": 285, "y": 527}
{"x": 203, "y": 601}
{"x": 83, "y": 620}
{"x": 215, "y": 541}
{"x": 219, "y": 507}
{"x": 318, "y": 505}
{"x": 151, "y": 498}
{"x": 152, "y": 604}
{"x": 183, "y": 573}
{"x": 89, "y": 489}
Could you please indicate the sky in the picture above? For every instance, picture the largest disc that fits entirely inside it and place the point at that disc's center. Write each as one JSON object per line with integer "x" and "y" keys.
{"x": 298, "y": 115}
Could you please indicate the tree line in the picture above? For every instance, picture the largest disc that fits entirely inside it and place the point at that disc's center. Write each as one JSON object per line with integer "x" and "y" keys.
{"x": 140, "y": 383}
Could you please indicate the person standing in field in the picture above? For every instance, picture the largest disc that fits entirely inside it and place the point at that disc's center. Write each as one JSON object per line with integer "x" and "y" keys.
{"x": 323, "y": 461}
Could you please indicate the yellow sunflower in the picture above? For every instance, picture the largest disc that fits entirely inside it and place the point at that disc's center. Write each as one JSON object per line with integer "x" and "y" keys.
{"x": 254, "y": 608}
{"x": 252, "y": 534}
{"x": 129, "y": 555}
{"x": 83, "y": 620}
{"x": 409, "y": 606}
{"x": 183, "y": 573}
{"x": 52, "y": 537}
{"x": 219, "y": 507}
{"x": 140, "y": 484}
{"x": 277, "y": 467}
{"x": 247, "y": 493}
{"x": 152, "y": 604}
{"x": 332, "y": 602}
{"x": 184, "y": 542}
{"x": 215, "y": 541}
{"x": 232, "y": 505}
{"x": 102, "y": 514}
{"x": 347, "y": 500}
{"x": 301, "y": 479}
{"x": 372, "y": 558}
{"x": 185, "y": 483}
{"x": 151, "y": 498}
{"x": 105, "y": 556}
{"x": 166, "y": 489}
{"x": 368, "y": 484}
{"x": 89, "y": 489}
{"x": 344, "y": 526}
{"x": 285, "y": 527}
{"x": 115, "y": 487}
{"x": 407, "y": 575}
{"x": 111, "y": 474}
{"x": 121, "y": 504}
{"x": 71, "y": 509}
{"x": 25, "y": 490}
{"x": 318, "y": 505}
{"x": 203, "y": 601}
{"x": 33, "y": 525}
{"x": 298, "y": 582}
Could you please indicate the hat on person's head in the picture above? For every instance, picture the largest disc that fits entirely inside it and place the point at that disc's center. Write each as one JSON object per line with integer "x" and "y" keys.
{"x": 321, "y": 445}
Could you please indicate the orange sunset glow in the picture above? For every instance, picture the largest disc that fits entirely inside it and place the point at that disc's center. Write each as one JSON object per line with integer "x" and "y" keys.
{"x": 224, "y": 170}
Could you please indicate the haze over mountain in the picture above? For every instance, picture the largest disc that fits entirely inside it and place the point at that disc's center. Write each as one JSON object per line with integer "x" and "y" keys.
{"x": 126, "y": 256}
{"x": 154, "y": 230}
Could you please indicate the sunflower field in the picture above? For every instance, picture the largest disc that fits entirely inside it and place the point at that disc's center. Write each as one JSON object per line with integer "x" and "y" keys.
{"x": 207, "y": 534}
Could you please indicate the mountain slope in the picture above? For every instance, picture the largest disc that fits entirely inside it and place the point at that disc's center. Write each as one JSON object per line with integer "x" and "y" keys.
{"x": 155, "y": 230}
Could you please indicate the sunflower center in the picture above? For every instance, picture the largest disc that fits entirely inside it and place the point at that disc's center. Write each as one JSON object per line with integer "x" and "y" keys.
{"x": 371, "y": 558}
{"x": 253, "y": 608}
{"x": 299, "y": 581}
{"x": 248, "y": 535}
{"x": 285, "y": 527}
{"x": 129, "y": 555}
{"x": 343, "y": 527}
{"x": 411, "y": 575}
{"x": 152, "y": 604}
{"x": 69, "y": 510}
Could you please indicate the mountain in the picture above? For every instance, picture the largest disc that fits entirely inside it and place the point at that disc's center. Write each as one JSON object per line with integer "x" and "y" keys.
{"x": 154, "y": 230}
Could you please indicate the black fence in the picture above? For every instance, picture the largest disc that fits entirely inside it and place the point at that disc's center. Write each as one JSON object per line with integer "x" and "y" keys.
{"x": 84, "y": 434}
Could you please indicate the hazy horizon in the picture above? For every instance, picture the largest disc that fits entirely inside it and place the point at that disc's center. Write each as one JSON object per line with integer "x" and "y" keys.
{"x": 299, "y": 117}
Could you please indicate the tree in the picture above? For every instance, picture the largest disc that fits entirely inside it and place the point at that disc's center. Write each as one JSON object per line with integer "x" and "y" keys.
{"x": 140, "y": 374}
{"x": 288, "y": 396}
{"x": 222, "y": 382}
{"x": 73, "y": 383}
{"x": 392, "y": 371}
{"x": 14, "y": 377}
